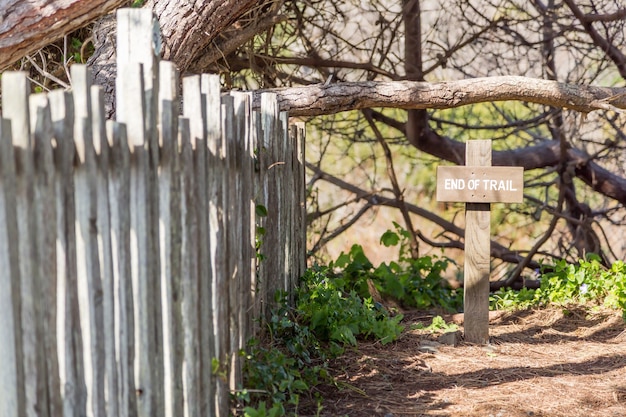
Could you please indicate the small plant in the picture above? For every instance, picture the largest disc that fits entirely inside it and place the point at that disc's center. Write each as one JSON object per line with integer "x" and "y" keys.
{"x": 414, "y": 283}
{"x": 338, "y": 314}
{"x": 587, "y": 282}
{"x": 328, "y": 316}
{"x": 438, "y": 325}
{"x": 284, "y": 367}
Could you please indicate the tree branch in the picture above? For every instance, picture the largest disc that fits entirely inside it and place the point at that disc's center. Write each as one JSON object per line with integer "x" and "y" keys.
{"x": 607, "y": 47}
{"x": 318, "y": 99}
{"x": 27, "y": 26}
{"x": 497, "y": 250}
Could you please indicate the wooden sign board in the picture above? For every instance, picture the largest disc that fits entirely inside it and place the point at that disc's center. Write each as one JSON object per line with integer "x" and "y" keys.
{"x": 480, "y": 184}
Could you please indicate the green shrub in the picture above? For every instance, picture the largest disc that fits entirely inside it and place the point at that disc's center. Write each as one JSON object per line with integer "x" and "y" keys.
{"x": 587, "y": 282}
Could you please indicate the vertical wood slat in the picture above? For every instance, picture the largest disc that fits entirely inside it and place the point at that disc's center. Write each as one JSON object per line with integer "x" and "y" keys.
{"x": 44, "y": 193}
{"x": 89, "y": 282}
{"x": 119, "y": 193}
{"x": 119, "y": 351}
{"x": 234, "y": 240}
{"x": 224, "y": 267}
{"x": 189, "y": 255}
{"x": 285, "y": 177}
{"x": 250, "y": 187}
{"x": 256, "y": 136}
{"x": 12, "y": 372}
{"x": 138, "y": 41}
{"x": 269, "y": 278}
{"x": 194, "y": 108}
{"x": 69, "y": 338}
{"x": 477, "y": 253}
{"x": 210, "y": 85}
{"x": 170, "y": 240}
{"x": 15, "y": 85}
{"x": 103, "y": 225}
{"x": 142, "y": 269}
{"x": 239, "y": 223}
{"x": 301, "y": 218}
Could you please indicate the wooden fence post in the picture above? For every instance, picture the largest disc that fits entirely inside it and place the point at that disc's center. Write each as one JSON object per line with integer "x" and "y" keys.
{"x": 477, "y": 253}
{"x": 89, "y": 282}
{"x": 11, "y": 354}
{"x": 170, "y": 239}
{"x": 225, "y": 283}
{"x": 16, "y": 86}
{"x": 138, "y": 45}
{"x": 69, "y": 338}
{"x": 194, "y": 104}
{"x": 301, "y": 222}
{"x": 270, "y": 265}
{"x": 217, "y": 192}
{"x": 42, "y": 135}
{"x": 239, "y": 218}
{"x": 103, "y": 223}
{"x": 119, "y": 191}
{"x": 189, "y": 256}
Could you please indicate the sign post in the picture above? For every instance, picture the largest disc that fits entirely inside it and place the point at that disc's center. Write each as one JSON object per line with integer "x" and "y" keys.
{"x": 478, "y": 184}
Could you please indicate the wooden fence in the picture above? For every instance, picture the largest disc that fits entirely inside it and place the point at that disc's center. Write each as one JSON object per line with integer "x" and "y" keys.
{"x": 128, "y": 272}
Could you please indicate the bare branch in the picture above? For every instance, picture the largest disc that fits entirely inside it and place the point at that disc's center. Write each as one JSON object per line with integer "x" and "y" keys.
{"x": 497, "y": 250}
{"x": 318, "y": 99}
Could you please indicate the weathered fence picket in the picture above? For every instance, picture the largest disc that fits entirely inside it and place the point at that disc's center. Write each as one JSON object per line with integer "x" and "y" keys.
{"x": 42, "y": 134}
{"x": 128, "y": 260}
{"x": 170, "y": 238}
{"x": 12, "y": 371}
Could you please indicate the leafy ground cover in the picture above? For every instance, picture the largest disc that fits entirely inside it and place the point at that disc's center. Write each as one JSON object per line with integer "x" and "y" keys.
{"x": 387, "y": 341}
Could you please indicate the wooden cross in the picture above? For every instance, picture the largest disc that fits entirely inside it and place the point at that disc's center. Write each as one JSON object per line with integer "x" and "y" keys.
{"x": 478, "y": 184}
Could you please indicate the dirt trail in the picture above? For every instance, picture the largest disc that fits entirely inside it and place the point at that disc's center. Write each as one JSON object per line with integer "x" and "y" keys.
{"x": 552, "y": 362}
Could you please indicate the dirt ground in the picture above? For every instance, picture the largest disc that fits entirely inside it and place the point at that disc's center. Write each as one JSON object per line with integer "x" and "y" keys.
{"x": 553, "y": 362}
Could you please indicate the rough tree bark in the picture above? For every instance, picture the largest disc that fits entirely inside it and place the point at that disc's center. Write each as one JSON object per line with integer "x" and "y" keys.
{"x": 318, "y": 99}
{"x": 187, "y": 28}
{"x": 27, "y": 26}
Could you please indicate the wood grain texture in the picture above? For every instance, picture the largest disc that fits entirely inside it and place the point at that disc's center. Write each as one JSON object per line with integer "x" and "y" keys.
{"x": 16, "y": 86}
{"x": 170, "y": 240}
{"x": 11, "y": 353}
{"x": 119, "y": 192}
{"x": 69, "y": 338}
{"x": 49, "y": 390}
{"x": 477, "y": 254}
{"x": 321, "y": 99}
{"x": 189, "y": 276}
{"x": 89, "y": 281}
{"x": 105, "y": 256}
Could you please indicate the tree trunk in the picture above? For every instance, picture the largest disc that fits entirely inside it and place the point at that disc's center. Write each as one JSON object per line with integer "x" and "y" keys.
{"x": 187, "y": 28}
{"x": 27, "y": 26}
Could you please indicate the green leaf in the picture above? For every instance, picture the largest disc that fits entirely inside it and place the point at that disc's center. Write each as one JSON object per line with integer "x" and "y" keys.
{"x": 260, "y": 210}
{"x": 215, "y": 366}
{"x": 300, "y": 385}
{"x": 390, "y": 238}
